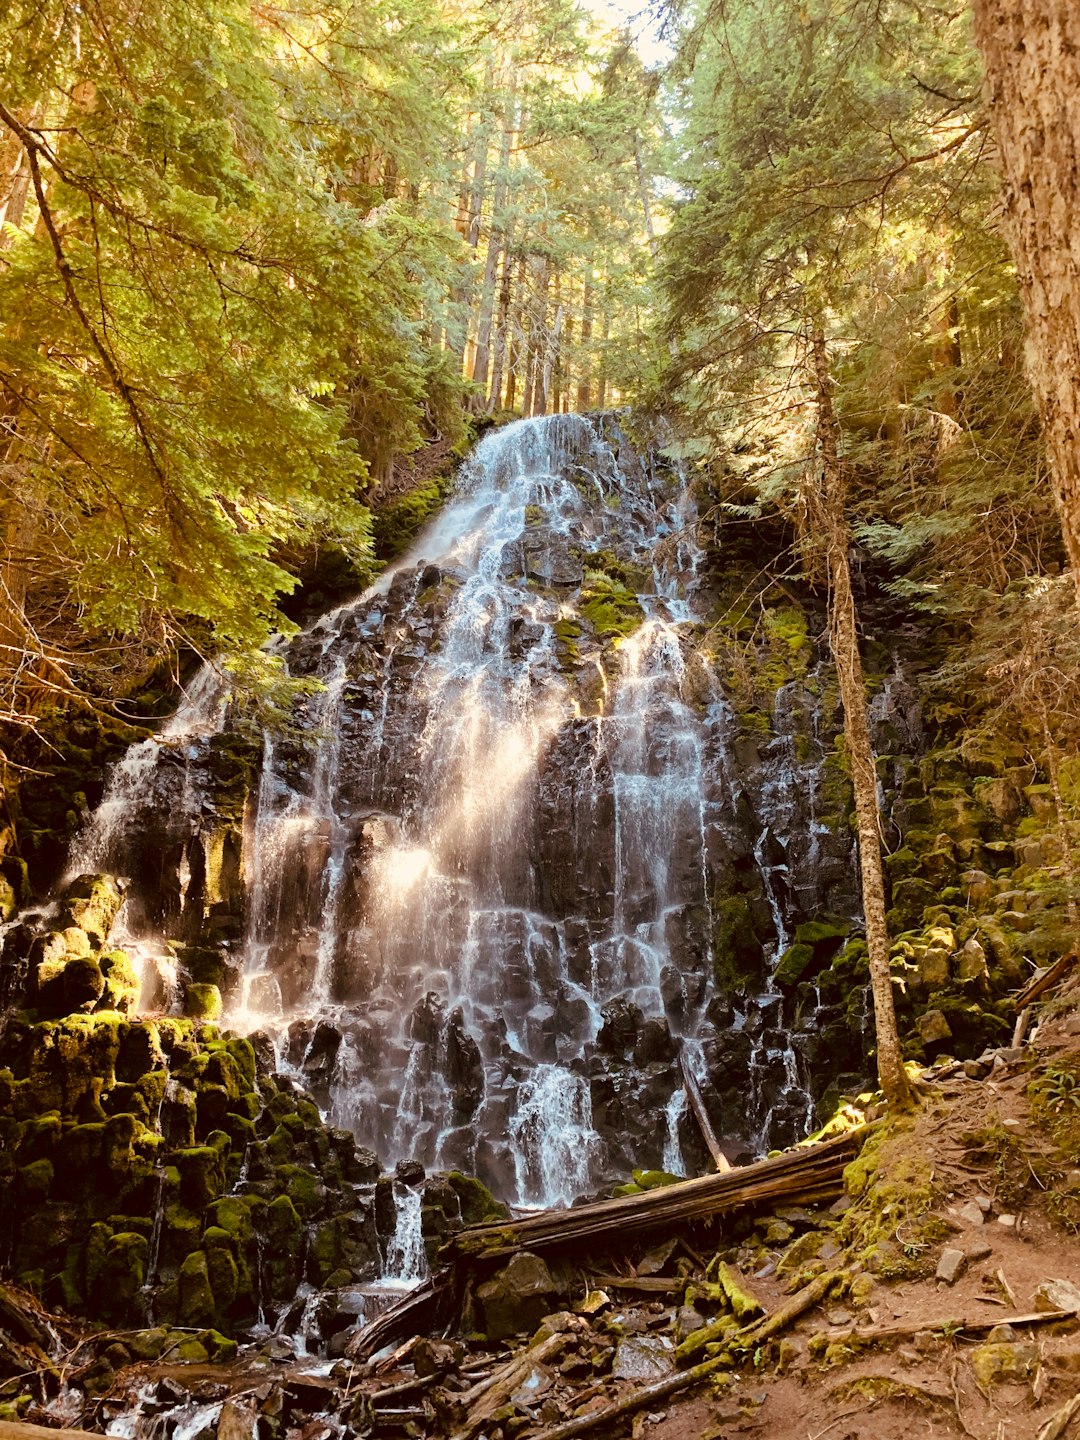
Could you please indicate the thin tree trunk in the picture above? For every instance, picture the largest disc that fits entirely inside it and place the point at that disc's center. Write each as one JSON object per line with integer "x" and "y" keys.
{"x": 1031, "y": 52}
{"x": 1068, "y": 859}
{"x": 497, "y": 242}
{"x": 601, "y": 391}
{"x": 584, "y": 389}
{"x": 502, "y": 327}
{"x": 517, "y": 336}
{"x": 844, "y": 642}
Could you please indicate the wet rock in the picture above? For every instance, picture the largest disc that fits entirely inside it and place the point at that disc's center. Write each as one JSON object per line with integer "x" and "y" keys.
{"x": 622, "y": 1026}
{"x": 427, "y": 1019}
{"x": 92, "y": 902}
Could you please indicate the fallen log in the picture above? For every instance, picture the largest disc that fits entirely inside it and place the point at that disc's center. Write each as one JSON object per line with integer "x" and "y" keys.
{"x": 23, "y": 1430}
{"x": 977, "y": 1325}
{"x": 1040, "y": 984}
{"x": 421, "y": 1312}
{"x": 483, "y": 1400}
{"x": 640, "y": 1284}
{"x": 808, "y": 1175}
{"x": 701, "y": 1115}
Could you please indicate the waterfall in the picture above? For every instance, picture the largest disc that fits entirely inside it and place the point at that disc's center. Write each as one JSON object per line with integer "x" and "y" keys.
{"x": 481, "y": 867}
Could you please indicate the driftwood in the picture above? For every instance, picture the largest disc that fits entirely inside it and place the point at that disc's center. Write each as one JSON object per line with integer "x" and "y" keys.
{"x": 640, "y": 1284}
{"x": 601, "y": 1420}
{"x": 1038, "y": 986}
{"x": 701, "y": 1115}
{"x": 1058, "y": 1423}
{"x": 21, "y": 1430}
{"x": 419, "y": 1313}
{"x": 974, "y": 1326}
{"x": 809, "y": 1174}
{"x": 483, "y": 1400}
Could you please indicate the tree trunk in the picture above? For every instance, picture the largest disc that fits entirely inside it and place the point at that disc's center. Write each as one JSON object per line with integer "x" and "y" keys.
{"x": 584, "y": 388}
{"x": 502, "y": 325}
{"x": 1031, "y": 51}
{"x": 496, "y": 243}
{"x": 835, "y": 534}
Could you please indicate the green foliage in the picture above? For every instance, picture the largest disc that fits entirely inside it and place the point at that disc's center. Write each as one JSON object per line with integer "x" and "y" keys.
{"x": 609, "y": 606}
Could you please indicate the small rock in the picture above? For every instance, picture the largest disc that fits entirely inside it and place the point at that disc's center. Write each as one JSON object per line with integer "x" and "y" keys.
{"x": 688, "y": 1320}
{"x": 975, "y": 1069}
{"x": 1009, "y": 1221}
{"x": 792, "y": 1352}
{"x": 643, "y": 1357}
{"x": 1058, "y": 1295}
{"x": 984, "y": 1203}
{"x": 978, "y": 1250}
{"x": 951, "y": 1265}
{"x": 1001, "y": 1335}
{"x": 594, "y": 1301}
{"x": 778, "y": 1232}
{"x": 1007, "y": 1364}
{"x": 657, "y": 1259}
{"x": 236, "y": 1422}
{"x": 971, "y": 1214}
{"x": 839, "y": 1317}
{"x": 537, "y": 1382}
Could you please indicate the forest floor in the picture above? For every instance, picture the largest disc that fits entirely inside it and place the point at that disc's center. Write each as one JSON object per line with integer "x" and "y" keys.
{"x": 985, "y": 1176}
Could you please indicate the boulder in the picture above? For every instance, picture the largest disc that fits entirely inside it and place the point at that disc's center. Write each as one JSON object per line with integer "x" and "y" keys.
{"x": 517, "y": 1297}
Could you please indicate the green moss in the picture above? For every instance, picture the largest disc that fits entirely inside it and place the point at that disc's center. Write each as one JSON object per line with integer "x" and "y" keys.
{"x": 477, "y": 1202}
{"x": 612, "y": 610}
{"x": 203, "y": 1002}
{"x": 196, "y": 1297}
{"x": 793, "y": 964}
{"x": 395, "y": 525}
{"x": 121, "y": 981}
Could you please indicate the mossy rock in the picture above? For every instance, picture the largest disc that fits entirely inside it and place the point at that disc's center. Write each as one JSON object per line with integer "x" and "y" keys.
{"x": 793, "y": 964}
{"x": 69, "y": 985}
{"x": 147, "y": 1345}
{"x": 243, "y": 1056}
{"x": 121, "y": 1276}
{"x": 197, "y": 1306}
{"x": 92, "y": 902}
{"x": 302, "y": 1188}
{"x": 283, "y": 1232}
{"x": 203, "y": 1002}
{"x": 122, "y": 983}
{"x": 202, "y": 1175}
{"x": 475, "y": 1199}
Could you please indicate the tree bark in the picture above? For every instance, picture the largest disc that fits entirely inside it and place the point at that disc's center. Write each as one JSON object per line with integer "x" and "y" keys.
{"x": 496, "y": 243}
{"x": 1031, "y": 52}
{"x": 835, "y": 534}
{"x": 584, "y": 388}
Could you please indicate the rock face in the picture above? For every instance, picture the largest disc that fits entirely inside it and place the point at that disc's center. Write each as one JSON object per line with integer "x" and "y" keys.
{"x": 533, "y": 843}
{"x": 520, "y": 852}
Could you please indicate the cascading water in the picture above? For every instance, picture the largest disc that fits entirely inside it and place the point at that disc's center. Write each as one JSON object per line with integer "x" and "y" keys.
{"x": 473, "y": 898}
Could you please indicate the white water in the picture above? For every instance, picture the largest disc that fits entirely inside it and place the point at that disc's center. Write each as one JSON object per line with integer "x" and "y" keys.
{"x": 402, "y": 859}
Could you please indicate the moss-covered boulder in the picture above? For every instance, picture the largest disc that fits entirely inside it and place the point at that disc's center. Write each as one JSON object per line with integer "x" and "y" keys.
{"x": 121, "y": 992}
{"x": 196, "y": 1305}
{"x": 92, "y": 903}
{"x": 203, "y": 1002}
